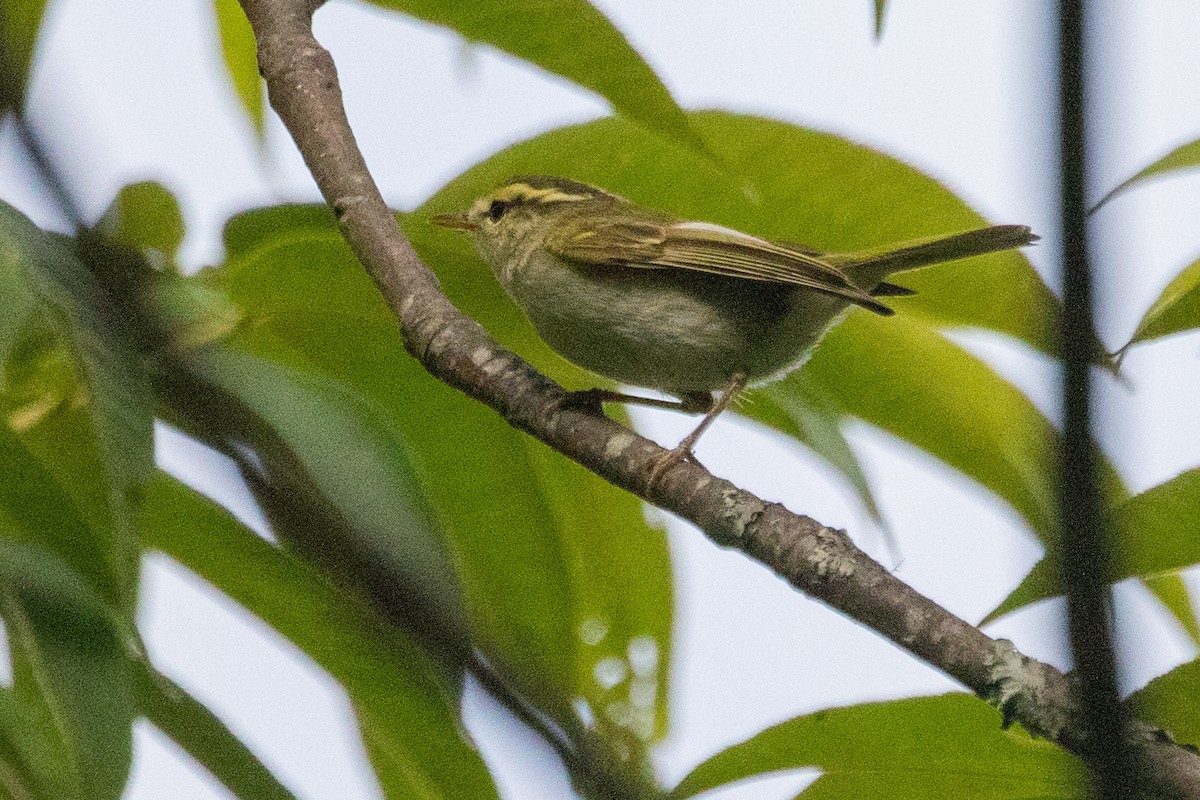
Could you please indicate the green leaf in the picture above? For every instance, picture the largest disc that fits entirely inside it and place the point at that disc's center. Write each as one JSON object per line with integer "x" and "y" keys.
{"x": 1153, "y": 536}
{"x": 407, "y": 710}
{"x": 241, "y": 59}
{"x": 1172, "y": 702}
{"x": 580, "y": 580}
{"x": 35, "y": 508}
{"x": 272, "y": 227}
{"x": 795, "y": 184}
{"x": 64, "y": 443}
{"x": 906, "y": 378}
{"x": 357, "y": 462}
{"x": 33, "y": 761}
{"x": 71, "y": 686}
{"x": 570, "y": 38}
{"x": 800, "y": 409}
{"x": 205, "y": 738}
{"x": 20, "y": 21}
{"x": 912, "y": 382}
{"x": 147, "y": 217}
{"x": 69, "y": 669}
{"x": 835, "y": 195}
{"x": 931, "y": 747}
{"x": 619, "y": 586}
{"x": 880, "y": 7}
{"x": 1172, "y": 591}
{"x": 801, "y": 185}
{"x": 67, "y": 355}
{"x": 1176, "y": 310}
{"x": 1183, "y": 157}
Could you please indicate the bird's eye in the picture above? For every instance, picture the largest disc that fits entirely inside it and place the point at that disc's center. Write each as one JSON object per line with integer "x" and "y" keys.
{"x": 496, "y": 210}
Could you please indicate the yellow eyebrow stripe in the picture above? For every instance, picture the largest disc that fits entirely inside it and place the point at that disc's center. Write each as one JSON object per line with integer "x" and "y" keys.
{"x": 525, "y": 192}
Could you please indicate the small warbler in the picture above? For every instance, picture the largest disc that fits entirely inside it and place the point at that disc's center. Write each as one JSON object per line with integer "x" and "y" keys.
{"x": 690, "y": 308}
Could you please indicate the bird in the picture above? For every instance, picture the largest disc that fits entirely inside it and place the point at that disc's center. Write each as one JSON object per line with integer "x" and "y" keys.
{"x": 694, "y": 309}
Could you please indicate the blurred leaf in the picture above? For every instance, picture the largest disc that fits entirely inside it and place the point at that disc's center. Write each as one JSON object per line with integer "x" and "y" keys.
{"x": 581, "y": 579}
{"x": 354, "y": 455}
{"x": 146, "y": 216}
{"x": 58, "y": 557}
{"x": 24, "y": 345}
{"x": 67, "y": 352}
{"x": 1172, "y": 702}
{"x": 1183, "y": 157}
{"x": 35, "y": 508}
{"x": 70, "y": 684}
{"x": 33, "y": 762}
{"x": 268, "y": 227}
{"x": 880, "y": 7}
{"x": 930, "y": 747}
{"x": 800, "y": 409}
{"x": 407, "y": 711}
{"x": 620, "y": 590}
{"x": 570, "y": 38}
{"x": 65, "y": 444}
{"x": 911, "y": 381}
{"x": 1176, "y": 310}
{"x": 1043, "y": 581}
{"x": 188, "y": 314}
{"x": 241, "y": 59}
{"x": 907, "y": 379}
{"x": 69, "y": 669}
{"x": 205, "y": 738}
{"x": 1153, "y": 535}
{"x": 1172, "y": 591}
{"x": 20, "y": 21}
{"x": 509, "y": 556}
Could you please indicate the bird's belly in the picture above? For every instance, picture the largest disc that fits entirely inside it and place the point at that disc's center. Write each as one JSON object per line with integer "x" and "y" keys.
{"x": 674, "y": 330}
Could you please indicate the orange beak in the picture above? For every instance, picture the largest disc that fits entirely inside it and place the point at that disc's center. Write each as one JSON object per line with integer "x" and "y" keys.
{"x": 454, "y": 221}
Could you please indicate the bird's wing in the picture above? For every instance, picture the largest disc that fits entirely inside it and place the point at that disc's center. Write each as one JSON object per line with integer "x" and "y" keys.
{"x": 703, "y": 247}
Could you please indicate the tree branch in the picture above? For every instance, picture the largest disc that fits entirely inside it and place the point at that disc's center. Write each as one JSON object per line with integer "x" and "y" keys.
{"x": 820, "y": 561}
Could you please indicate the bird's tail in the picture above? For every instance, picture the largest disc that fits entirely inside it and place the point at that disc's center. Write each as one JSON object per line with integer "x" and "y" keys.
{"x": 867, "y": 268}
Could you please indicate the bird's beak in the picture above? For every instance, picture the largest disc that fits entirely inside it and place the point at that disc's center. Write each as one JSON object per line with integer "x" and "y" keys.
{"x": 459, "y": 221}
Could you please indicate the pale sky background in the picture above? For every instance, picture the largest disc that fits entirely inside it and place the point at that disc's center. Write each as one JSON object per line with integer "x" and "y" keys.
{"x": 132, "y": 89}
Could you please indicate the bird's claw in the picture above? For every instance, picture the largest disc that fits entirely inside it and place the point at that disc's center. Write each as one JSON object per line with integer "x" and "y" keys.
{"x": 664, "y": 463}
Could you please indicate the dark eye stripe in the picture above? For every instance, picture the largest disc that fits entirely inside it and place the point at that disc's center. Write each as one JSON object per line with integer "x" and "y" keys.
{"x": 496, "y": 210}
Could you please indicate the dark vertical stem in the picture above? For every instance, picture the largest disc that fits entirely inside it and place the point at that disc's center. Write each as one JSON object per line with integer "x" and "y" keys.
{"x": 1085, "y": 554}
{"x": 12, "y": 98}
{"x": 48, "y": 171}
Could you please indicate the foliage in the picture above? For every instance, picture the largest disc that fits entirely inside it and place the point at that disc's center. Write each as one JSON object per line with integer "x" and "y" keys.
{"x": 509, "y": 562}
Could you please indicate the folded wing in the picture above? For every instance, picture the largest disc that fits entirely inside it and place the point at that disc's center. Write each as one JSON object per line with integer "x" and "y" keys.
{"x": 704, "y": 247}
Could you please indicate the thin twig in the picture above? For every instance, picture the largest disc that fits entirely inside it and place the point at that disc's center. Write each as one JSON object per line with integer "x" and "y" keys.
{"x": 47, "y": 169}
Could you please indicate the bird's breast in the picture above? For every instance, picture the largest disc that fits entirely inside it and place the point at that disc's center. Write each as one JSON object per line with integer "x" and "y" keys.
{"x": 670, "y": 329}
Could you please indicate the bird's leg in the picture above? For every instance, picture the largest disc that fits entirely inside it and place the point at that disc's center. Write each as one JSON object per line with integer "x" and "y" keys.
{"x": 592, "y": 400}
{"x": 683, "y": 450}
{"x": 688, "y": 402}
